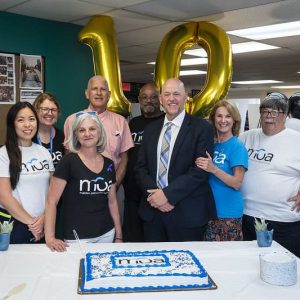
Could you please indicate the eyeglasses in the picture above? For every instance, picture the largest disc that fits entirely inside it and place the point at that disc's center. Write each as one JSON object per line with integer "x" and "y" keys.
{"x": 91, "y": 113}
{"x": 151, "y": 98}
{"x": 273, "y": 113}
{"x": 46, "y": 110}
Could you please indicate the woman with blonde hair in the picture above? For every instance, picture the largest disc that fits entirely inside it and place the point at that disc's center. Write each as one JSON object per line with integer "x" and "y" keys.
{"x": 227, "y": 168}
{"x": 48, "y": 136}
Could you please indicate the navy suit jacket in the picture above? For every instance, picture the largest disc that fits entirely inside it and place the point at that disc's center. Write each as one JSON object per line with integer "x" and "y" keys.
{"x": 188, "y": 188}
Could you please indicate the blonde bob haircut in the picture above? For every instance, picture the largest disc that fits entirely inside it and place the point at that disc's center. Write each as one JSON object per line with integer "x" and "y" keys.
{"x": 234, "y": 113}
{"x": 73, "y": 141}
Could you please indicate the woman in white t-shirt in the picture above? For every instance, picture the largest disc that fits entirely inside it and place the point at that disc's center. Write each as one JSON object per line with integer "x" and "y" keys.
{"x": 25, "y": 170}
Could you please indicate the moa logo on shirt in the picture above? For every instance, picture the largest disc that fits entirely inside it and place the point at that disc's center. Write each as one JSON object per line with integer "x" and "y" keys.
{"x": 57, "y": 155}
{"x": 260, "y": 155}
{"x": 35, "y": 165}
{"x": 137, "y": 137}
{"x": 219, "y": 158}
{"x": 95, "y": 186}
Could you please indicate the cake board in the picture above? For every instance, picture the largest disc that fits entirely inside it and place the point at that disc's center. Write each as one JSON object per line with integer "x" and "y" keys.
{"x": 80, "y": 279}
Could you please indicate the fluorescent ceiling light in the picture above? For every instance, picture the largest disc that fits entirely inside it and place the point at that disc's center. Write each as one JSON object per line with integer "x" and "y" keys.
{"x": 196, "y": 52}
{"x": 194, "y": 61}
{"x": 191, "y": 72}
{"x": 269, "y": 32}
{"x": 286, "y": 87}
{"x": 251, "y": 47}
{"x": 256, "y": 82}
{"x": 189, "y": 61}
{"x": 236, "y": 48}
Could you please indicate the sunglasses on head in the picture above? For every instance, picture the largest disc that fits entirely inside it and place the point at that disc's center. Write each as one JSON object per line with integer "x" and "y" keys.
{"x": 91, "y": 113}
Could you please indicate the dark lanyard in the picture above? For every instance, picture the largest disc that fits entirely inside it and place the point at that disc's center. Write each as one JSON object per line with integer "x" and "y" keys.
{"x": 51, "y": 141}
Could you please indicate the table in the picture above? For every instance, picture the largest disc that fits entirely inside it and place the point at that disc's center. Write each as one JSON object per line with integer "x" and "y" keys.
{"x": 234, "y": 266}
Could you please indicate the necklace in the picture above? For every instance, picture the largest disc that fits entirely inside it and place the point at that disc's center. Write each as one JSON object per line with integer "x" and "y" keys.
{"x": 50, "y": 149}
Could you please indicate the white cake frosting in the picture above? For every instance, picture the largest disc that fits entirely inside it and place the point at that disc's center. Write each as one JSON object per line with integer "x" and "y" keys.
{"x": 278, "y": 268}
{"x": 142, "y": 271}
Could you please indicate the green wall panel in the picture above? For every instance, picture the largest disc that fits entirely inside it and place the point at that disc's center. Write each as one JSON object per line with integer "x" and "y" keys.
{"x": 68, "y": 63}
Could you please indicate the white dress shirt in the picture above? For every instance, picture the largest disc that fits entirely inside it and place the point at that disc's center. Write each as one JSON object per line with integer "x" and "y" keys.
{"x": 177, "y": 122}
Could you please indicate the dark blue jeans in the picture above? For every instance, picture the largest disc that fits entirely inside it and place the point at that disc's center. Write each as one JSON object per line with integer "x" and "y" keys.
{"x": 286, "y": 234}
{"x": 21, "y": 234}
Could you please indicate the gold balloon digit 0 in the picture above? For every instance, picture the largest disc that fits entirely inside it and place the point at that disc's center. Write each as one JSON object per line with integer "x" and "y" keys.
{"x": 219, "y": 70}
{"x": 99, "y": 35}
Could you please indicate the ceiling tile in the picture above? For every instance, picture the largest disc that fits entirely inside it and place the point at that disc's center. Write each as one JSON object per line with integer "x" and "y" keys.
{"x": 183, "y": 10}
{"x": 58, "y": 10}
{"x": 5, "y": 4}
{"x": 145, "y": 35}
{"x": 115, "y": 3}
{"x": 127, "y": 21}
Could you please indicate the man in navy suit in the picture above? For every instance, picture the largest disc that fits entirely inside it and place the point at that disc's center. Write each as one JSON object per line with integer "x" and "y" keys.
{"x": 180, "y": 209}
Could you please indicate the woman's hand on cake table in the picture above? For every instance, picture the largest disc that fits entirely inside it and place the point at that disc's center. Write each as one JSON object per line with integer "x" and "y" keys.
{"x": 296, "y": 204}
{"x": 56, "y": 245}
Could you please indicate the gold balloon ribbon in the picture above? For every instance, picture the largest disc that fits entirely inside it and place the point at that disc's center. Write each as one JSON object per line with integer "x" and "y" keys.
{"x": 99, "y": 35}
{"x": 219, "y": 69}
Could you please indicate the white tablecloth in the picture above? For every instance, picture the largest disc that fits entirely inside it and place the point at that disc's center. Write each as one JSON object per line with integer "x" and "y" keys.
{"x": 234, "y": 266}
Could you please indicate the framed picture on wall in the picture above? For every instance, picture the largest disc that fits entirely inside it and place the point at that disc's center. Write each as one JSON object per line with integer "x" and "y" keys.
{"x": 7, "y": 79}
{"x": 31, "y": 72}
{"x": 29, "y": 95}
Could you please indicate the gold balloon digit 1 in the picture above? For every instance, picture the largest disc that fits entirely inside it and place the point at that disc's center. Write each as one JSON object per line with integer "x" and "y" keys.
{"x": 219, "y": 70}
{"x": 99, "y": 35}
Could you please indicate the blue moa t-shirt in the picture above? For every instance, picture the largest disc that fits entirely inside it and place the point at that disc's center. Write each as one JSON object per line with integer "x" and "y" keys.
{"x": 85, "y": 197}
{"x": 227, "y": 155}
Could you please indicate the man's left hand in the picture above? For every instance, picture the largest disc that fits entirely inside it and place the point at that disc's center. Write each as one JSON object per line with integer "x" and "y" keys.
{"x": 166, "y": 207}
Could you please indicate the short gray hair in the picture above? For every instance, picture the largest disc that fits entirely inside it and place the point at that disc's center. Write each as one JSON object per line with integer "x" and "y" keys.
{"x": 276, "y": 101}
{"x": 73, "y": 141}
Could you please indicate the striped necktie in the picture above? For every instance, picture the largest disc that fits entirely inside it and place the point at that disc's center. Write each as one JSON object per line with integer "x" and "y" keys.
{"x": 164, "y": 157}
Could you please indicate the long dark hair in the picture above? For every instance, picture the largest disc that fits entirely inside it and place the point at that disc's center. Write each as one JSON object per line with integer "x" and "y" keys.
{"x": 11, "y": 143}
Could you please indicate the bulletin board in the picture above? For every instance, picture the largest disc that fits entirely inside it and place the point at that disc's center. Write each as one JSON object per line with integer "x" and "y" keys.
{"x": 21, "y": 79}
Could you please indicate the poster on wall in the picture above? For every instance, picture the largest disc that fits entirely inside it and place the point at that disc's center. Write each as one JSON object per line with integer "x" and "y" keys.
{"x": 7, "y": 79}
{"x": 31, "y": 70}
{"x": 29, "y": 95}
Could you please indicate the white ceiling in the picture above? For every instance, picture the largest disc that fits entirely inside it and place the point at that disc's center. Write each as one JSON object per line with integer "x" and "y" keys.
{"x": 141, "y": 25}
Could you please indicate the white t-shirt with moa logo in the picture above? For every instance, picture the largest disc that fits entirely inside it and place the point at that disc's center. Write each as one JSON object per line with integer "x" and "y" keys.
{"x": 273, "y": 174}
{"x": 32, "y": 188}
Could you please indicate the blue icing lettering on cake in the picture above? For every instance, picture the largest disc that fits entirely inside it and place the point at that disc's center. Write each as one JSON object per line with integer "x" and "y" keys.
{"x": 142, "y": 271}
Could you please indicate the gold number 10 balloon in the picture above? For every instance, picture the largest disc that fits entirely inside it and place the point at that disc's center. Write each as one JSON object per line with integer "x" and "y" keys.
{"x": 99, "y": 34}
